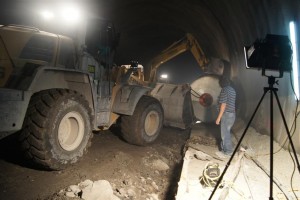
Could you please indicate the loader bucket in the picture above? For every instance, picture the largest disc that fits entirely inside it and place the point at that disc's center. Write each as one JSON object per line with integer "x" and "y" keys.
{"x": 177, "y": 105}
{"x": 205, "y": 91}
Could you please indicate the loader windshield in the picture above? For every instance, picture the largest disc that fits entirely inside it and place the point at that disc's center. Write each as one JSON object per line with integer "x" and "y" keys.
{"x": 23, "y": 49}
{"x": 28, "y": 45}
{"x": 39, "y": 47}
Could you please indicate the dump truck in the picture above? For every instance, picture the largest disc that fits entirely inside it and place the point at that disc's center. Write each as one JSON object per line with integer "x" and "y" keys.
{"x": 54, "y": 94}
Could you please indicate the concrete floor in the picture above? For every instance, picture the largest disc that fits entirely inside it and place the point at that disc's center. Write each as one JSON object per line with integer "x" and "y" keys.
{"x": 252, "y": 180}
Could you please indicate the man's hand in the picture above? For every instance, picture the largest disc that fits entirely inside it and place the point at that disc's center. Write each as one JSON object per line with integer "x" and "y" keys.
{"x": 222, "y": 110}
{"x": 218, "y": 121}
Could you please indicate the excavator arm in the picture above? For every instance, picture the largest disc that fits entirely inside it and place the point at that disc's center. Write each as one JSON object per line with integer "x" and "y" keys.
{"x": 188, "y": 43}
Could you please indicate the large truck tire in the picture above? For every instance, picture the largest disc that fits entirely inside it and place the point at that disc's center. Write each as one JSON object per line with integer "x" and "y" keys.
{"x": 144, "y": 126}
{"x": 57, "y": 129}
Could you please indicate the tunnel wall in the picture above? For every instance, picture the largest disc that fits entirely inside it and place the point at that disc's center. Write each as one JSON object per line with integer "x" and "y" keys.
{"x": 245, "y": 23}
{"x": 223, "y": 28}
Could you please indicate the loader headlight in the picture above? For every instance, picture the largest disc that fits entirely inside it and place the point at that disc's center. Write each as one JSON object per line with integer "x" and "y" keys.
{"x": 47, "y": 15}
{"x": 64, "y": 13}
{"x": 70, "y": 13}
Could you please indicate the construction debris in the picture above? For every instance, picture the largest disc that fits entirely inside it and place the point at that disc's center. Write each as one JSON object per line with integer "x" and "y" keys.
{"x": 247, "y": 177}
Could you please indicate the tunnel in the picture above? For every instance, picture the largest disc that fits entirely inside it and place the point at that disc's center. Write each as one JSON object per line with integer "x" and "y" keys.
{"x": 222, "y": 27}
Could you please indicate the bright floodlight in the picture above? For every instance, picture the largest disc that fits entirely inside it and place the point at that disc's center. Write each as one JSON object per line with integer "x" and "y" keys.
{"x": 70, "y": 14}
{"x": 164, "y": 76}
{"x": 47, "y": 14}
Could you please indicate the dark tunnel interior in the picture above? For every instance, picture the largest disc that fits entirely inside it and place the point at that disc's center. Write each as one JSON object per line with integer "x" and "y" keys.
{"x": 146, "y": 27}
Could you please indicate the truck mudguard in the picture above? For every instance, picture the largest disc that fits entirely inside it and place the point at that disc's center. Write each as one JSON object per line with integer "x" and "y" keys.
{"x": 14, "y": 102}
{"x": 127, "y": 97}
{"x": 51, "y": 78}
{"x": 13, "y": 106}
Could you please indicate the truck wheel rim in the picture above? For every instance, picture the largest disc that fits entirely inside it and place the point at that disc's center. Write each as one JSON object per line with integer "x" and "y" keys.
{"x": 71, "y": 131}
{"x": 151, "y": 123}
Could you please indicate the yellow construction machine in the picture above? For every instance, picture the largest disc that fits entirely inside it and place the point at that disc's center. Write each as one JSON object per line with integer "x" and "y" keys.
{"x": 183, "y": 104}
{"x": 180, "y": 101}
{"x": 54, "y": 93}
{"x": 188, "y": 43}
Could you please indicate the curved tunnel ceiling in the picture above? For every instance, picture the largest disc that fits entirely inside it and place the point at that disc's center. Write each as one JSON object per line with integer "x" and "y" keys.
{"x": 151, "y": 26}
{"x": 222, "y": 27}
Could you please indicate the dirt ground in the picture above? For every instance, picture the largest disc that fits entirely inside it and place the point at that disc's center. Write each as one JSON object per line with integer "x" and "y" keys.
{"x": 134, "y": 172}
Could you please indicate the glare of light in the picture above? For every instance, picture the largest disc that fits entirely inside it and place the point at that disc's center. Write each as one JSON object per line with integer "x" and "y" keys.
{"x": 198, "y": 122}
{"x": 70, "y": 14}
{"x": 295, "y": 58}
{"x": 164, "y": 76}
{"x": 47, "y": 15}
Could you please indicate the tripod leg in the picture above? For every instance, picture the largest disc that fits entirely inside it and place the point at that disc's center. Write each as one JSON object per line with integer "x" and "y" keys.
{"x": 287, "y": 131}
{"x": 237, "y": 146}
{"x": 271, "y": 143}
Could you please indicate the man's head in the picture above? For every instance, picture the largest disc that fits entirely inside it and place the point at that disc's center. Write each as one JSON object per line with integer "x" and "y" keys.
{"x": 224, "y": 81}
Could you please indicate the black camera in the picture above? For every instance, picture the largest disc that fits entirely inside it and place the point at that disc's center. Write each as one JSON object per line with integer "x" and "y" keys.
{"x": 272, "y": 53}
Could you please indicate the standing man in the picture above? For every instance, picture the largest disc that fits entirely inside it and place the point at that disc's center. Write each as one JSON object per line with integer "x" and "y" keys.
{"x": 226, "y": 115}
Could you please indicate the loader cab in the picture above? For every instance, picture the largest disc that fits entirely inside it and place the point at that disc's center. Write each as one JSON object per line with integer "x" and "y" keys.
{"x": 101, "y": 40}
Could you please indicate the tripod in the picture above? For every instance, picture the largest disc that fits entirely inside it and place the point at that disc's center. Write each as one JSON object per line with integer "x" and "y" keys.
{"x": 271, "y": 82}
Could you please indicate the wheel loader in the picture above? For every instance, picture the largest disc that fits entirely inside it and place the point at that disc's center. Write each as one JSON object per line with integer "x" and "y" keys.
{"x": 54, "y": 94}
{"x": 55, "y": 91}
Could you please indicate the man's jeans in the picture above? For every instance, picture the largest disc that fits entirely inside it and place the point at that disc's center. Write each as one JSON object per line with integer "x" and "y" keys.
{"x": 227, "y": 122}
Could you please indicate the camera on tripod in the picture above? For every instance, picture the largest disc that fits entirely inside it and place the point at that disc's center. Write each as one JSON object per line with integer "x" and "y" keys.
{"x": 272, "y": 53}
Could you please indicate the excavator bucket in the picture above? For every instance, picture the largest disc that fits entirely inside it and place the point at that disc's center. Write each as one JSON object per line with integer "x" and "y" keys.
{"x": 177, "y": 104}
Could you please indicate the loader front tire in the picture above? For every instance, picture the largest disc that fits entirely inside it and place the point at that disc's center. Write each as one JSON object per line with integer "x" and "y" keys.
{"x": 57, "y": 129}
{"x": 144, "y": 126}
